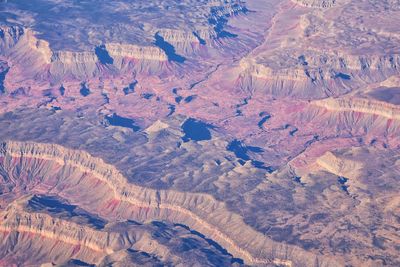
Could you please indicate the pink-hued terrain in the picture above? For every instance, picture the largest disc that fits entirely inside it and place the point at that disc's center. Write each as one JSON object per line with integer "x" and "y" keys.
{"x": 200, "y": 133}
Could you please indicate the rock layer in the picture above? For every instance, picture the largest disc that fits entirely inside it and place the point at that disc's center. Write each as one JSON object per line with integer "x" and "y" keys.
{"x": 51, "y": 231}
{"x": 368, "y": 106}
{"x": 199, "y": 211}
{"x": 316, "y": 3}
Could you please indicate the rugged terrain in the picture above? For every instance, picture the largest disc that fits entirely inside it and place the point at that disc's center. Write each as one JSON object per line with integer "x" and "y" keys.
{"x": 200, "y": 133}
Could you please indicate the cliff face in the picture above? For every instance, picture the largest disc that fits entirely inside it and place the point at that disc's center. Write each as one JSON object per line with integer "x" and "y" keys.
{"x": 45, "y": 226}
{"x": 328, "y": 74}
{"x": 141, "y": 59}
{"x": 10, "y": 36}
{"x": 270, "y": 127}
{"x": 21, "y": 47}
{"x": 31, "y": 57}
{"x": 19, "y": 42}
{"x": 56, "y": 232}
{"x": 132, "y": 47}
{"x": 338, "y": 166}
{"x": 368, "y": 106}
{"x": 62, "y": 169}
{"x": 135, "y": 52}
{"x": 314, "y": 53}
{"x": 74, "y": 64}
{"x": 23, "y": 51}
{"x": 317, "y": 3}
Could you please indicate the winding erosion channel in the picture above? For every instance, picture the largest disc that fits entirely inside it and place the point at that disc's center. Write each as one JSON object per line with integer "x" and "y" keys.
{"x": 104, "y": 190}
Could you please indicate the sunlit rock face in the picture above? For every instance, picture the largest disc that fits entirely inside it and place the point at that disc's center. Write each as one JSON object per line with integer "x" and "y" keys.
{"x": 317, "y": 3}
{"x": 199, "y": 133}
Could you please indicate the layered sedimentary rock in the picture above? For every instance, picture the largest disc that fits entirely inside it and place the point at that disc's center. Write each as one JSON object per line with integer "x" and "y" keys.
{"x": 322, "y": 184}
{"x": 361, "y": 105}
{"x": 92, "y": 240}
{"x": 338, "y": 166}
{"x": 325, "y": 55}
{"x": 25, "y": 53}
{"x": 268, "y": 130}
{"x": 74, "y": 64}
{"x": 328, "y": 74}
{"x": 316, "y": 3}
{"x": 138, "y": 41}
{"x": 199, "y": 211}
{"x": 18, "y": 40}
{"x": 135, "y": 52}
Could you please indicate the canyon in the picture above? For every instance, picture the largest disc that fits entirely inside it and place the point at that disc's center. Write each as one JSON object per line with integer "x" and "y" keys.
{"x": 199, "y": 133}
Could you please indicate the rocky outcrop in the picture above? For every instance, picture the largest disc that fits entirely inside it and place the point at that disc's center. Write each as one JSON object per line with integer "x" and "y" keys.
{"x": 265, "y": 72}
{"x": 186, "y": 42}
{"x": 339, "y": 166}
{"x": 14, "y": 219}
{"x": 74, "y": 64}
{"x": 179, "y": 36}
{"x": 156, "y": 127}
{"x": 321, "y": 67}
{"x": 326, "y": 74}
{"x": 67, "y": 57}
{"x": 199, "y": 211}
{"x": 220, "y": 9}
{"x": 9, "y": 37}
{"x": 50, "y": 229}
{"x": 362, "y": 105}
{"x": 135, "y": 52}
{"x": 18, "y": 42}
{"x": 21, "y": 47}
{"x": 316, "y": 3}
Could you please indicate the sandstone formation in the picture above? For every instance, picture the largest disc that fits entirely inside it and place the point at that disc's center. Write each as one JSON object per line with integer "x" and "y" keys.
{"x": 316, "y": 3}
{"x": 200, "y": 212}
{"x": 361, "y": 105}
{"x": 199, "y": 133}
{"x": 135, "y": 52}
{"x": 102, "y": 243}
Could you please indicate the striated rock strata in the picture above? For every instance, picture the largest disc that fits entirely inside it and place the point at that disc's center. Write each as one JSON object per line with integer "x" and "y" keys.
{"x": 63, "y": 171}
{"x": 316, "y": 3}
{"x": 362, "y": 105}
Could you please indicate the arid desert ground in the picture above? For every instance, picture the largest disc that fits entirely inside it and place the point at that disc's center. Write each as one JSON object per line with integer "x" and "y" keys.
{"x": 200, "y": 133}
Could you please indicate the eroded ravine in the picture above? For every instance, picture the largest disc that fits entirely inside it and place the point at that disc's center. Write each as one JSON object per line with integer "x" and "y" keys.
{"x": 198, "y": 211}
{"x": 57, "y": 232}
{"x": 55, "y": 229}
